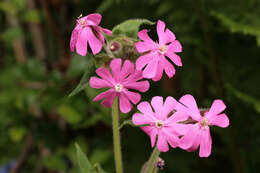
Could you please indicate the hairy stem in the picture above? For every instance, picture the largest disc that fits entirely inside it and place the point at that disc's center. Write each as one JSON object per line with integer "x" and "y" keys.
{"x": 151, "y": 163}
{"x": 116, "y": 137}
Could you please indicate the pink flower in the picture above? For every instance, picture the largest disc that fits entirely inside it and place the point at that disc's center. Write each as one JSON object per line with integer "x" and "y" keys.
{"x": 119, "y": 83}
{"x": 161, "y": 122}
{"x": 199, "y": 133}
{"x": 87, "y": 32}
{"x": 155, "y": 53}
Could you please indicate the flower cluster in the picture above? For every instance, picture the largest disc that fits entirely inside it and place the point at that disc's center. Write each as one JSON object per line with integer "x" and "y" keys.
{"x": 174, "y": 129}
{"x": 170, "y": 122}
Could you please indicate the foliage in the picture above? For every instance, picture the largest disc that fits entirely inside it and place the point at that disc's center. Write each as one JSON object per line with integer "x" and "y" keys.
{"x": 221, "y": 43}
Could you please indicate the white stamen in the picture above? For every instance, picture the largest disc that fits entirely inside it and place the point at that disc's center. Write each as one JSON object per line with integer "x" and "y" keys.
{"x": 204, "y": 122}
{"x": 163, "y": 49}
{"x": 159, "y": 124}
{"x": 119, "y": 87}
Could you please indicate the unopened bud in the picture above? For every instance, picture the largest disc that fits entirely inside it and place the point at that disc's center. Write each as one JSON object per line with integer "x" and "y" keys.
{"x": 160, "y": 163}
{"x": 114, "y": 46}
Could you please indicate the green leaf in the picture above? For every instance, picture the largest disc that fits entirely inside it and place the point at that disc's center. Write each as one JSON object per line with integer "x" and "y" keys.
{"x": 130, "y": 122}
{"x": 84, "y": 164}
{"x": 17, "y": 133}
{"x": 85, "y": 79}
{"x": 130, "y": 27}
{"x": 69, "y": 114}
{"x": 99, "y": 168}
{"x": 77, "y": 66}
{"x": 8, "y": 8}
{"x": 32, "y": 16}
{"x": 12, "y": 34}
{"x": 239, "y": 27}
{"x": 55, "y": 162}
{"x": 244, "y": 97}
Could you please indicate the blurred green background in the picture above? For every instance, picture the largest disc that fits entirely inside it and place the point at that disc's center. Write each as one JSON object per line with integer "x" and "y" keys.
{"x": 39, "y": 123}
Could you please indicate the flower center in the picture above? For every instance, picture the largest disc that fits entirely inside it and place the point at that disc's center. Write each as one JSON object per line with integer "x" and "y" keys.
{"x": 159, "y": 124}
{"x": 204, "y": 122}
{"x": 118, "y": 87}
{"x": 82, "y": 22}
{"x": 162, "y": 49}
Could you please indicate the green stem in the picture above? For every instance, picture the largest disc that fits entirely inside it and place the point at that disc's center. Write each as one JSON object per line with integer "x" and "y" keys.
{"x": 116, "y": 137}
{"x": 152, "y": 160}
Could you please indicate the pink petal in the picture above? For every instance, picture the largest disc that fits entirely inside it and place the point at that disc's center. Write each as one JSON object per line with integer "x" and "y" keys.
{"x": 115, "y": 66}
{"x": 94, "y": 43}
{"x": 105, "y": 74}
{"x": 180, "y": 129}
{"x": 145, "y": 108}
{"x": 157, "y": 103}
{"x": 142, "y": 47}
{"x": 172, "y": 139}
{"x": 125, "y": 105}
{"x": 196, "y": 143}
{"x": 219, "y": 120}
{"x": 141, "y": 119}
{"x": 135, "y": 76}
{"x": 159, "y": 72}
{"x": 151, "y": 69}
{"x": 143, "y": 35}
{"x": 205, "y": 143}
{"x": 143, "y": 60}
{"x": 175, "y": 46}
{"x": 93, "y": 19}
{"x": 174, "y": 58}
{"x": 108, "y": 101}
{"x": 99, "y": 34}
{"x": 141, "y": 86}
{"x": 74, "y": 38}
{"x": 128, "y": 68}
{"x": 109, "y": 94}
{"x": 82, "y": 42}
{"x": 160, "y": 32}
{"x": 106, "y": 31}
{"x": 168, "y": 67}
{"x": 152, "y": 132}
{"x": 133, "y": 96}
{"x": 170, "y": 37}
{"x": 189, "y": 101}
{"x": 217, "y": 107}
{"x": 95, "y": 82}
{"x": 188, "y": 139}
{"x": 169, "y": 105}
{"x": 162, "y": 144}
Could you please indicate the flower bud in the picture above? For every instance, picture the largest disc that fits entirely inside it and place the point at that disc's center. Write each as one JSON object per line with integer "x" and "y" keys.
{"x": 160, "y": 163}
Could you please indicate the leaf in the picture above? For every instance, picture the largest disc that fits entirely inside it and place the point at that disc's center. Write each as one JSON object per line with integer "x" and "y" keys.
{"x": 77, "y": 66}
{"x": 130, "y": 122}
{"x": 98, "y": 168}
{"x": 84, "y": 164}
{"x": 12, "y": 34}
{"x": 32, "y": 16}
{"x": 130, "y": 27}
{"x": 8, "y": 8}
{"x": 69, "y": 114}
{"x": 85, "y": 79}
{"x": 17, "y": 133}
{"x": 244, "y": 97}
{"x": 238, "y": 26}
{"x": 100, "y": 155}
{"x": 55, "y": 162}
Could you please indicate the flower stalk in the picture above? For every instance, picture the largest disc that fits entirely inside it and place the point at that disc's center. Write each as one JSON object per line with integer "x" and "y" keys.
{"x": 151, "y": 163}
{"x": 116, "y": 137}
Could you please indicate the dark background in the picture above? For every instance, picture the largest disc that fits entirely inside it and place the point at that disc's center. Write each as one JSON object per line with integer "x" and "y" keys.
{"x": 39, "y": 123}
